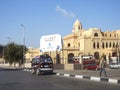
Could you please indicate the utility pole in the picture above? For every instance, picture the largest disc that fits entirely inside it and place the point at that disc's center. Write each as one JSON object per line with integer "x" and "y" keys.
{"x": 23, "y": 28}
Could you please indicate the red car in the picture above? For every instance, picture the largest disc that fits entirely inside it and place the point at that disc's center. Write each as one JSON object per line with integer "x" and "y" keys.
{"x": 91, "y": 66}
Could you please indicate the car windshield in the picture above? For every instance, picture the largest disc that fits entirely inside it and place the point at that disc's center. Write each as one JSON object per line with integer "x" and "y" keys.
{"x": 45, "y": 59}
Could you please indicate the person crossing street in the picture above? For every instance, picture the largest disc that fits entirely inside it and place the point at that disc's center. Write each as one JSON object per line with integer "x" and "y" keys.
{"x": 102, "y": 67}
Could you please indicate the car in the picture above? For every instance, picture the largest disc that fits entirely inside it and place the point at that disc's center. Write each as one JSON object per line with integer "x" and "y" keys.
{"x": 42, "y": 64}
{"x": 114, "y": 66}
{"x": 91, "y": 66}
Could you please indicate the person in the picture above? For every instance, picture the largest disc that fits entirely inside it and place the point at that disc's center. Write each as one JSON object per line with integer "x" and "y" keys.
{"x": 102, "y": 67}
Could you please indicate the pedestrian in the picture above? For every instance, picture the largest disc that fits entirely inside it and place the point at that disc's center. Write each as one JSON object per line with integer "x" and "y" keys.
{"x": 102, "y": 67}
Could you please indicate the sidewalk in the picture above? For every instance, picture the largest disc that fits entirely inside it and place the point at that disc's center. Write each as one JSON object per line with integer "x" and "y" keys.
{"x": 113, "y": 75}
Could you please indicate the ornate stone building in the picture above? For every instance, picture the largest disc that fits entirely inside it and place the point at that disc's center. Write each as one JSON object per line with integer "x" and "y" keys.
{"x": 90, "y": 42}
{"x": 86, "y": 42}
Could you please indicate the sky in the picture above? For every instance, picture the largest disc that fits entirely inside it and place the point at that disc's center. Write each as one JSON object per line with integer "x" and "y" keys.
{"x": 47, "y": 17}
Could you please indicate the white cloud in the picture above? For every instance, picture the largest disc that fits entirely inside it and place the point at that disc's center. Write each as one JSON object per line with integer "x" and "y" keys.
{"x": 65, "y": 12}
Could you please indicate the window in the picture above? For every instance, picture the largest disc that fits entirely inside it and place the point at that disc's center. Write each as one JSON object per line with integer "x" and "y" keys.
{"x": 68, "y": 45}
{"x": 116, "y": 44}
{"x": 113, "y": 44}
{"x": 110, "y": 35}
{"x": 97, "y": 44}
{"x": 103, "y": 45}
{"x": 106, "y": 45}
{"x": 94, "y": 45}
{"x": 110, "y": 44}
{"x": 96, "y": 34}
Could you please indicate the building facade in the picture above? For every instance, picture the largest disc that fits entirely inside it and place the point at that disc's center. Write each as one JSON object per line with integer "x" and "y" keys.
{"x": 86, "y": 42}
{"x": 91, "y": 42}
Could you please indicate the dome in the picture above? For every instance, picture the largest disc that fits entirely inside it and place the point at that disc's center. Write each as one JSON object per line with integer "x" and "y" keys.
{"x": 77, "y": 26}
{"x": 77, "y": 22}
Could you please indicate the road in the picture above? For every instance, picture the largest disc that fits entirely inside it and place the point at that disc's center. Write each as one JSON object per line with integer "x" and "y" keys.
{"x": 21, "y": 80}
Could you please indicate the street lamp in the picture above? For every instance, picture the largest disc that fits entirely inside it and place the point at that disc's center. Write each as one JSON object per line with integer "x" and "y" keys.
{"x": 23, "y": 28}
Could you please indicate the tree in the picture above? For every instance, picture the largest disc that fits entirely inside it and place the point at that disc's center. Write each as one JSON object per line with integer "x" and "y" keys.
{"x": 1, "y": 51}
{"x": 13, "y": 53}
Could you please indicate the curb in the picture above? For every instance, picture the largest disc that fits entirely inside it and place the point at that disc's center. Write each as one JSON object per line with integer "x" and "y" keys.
{"x": 99, "y": 79}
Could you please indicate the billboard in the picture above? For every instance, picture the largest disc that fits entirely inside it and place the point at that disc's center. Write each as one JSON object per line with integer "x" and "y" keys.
{"x": 49, "y": 43}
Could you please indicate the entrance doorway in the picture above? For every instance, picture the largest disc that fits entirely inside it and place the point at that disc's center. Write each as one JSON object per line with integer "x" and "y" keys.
{"x": 70, "y": 58}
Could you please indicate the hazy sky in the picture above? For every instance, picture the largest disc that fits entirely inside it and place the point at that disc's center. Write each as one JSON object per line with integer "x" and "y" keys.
{"x": 43, "y": 17}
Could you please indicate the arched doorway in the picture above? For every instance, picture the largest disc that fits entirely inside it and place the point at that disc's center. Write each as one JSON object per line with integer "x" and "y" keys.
{"x": 96, "y": 55}
{"x": 70, "y": 58}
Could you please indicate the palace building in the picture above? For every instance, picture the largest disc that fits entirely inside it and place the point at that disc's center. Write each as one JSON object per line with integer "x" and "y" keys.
{"x": 87, "y": 42}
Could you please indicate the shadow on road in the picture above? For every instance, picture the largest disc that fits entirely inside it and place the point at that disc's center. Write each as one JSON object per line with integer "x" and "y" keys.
{"x": 9, "y": 69}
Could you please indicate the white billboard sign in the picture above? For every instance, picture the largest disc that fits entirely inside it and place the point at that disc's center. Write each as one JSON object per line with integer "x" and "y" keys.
{"x": 50, "y": 43}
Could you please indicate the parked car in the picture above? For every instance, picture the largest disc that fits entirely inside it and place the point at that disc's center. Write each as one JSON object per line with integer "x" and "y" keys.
{"x": 91, "y": 66}
{"x": 115, "y": 66}
{"x": 42, "y": 64}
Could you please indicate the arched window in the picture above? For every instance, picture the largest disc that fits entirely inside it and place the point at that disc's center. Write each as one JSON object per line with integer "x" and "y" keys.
{"x": 68, "y": 45}
{"x": 103, "y": 45}
{"x": 96, "y": 34}
{"x": 106, "y": 45}
{"x": 94, "y": 45}
{"x": 97, "y": 44}
{"x": 110, "y": 34}
{"x": 113, "y": 44}
{"x": 96, "y": 55}
{"x": 110, "y": 44}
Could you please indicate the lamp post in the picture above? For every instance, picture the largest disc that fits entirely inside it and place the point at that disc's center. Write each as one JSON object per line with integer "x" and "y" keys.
{"x": 23, "y": 28}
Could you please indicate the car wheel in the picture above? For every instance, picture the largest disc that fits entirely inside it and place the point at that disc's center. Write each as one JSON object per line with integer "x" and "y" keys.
{"x": 38, "y": 72}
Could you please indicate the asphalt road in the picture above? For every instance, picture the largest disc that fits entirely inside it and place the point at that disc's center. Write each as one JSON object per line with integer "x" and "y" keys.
{"x": 20, "y": 80}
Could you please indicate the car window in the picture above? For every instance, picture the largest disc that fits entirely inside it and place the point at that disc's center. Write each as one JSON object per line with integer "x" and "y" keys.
{"x": 45, "y": 60}
{"x": 35, "y": 60}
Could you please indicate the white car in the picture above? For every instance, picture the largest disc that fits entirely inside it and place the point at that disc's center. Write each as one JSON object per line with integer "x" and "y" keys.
{"x": 115, "y": 66}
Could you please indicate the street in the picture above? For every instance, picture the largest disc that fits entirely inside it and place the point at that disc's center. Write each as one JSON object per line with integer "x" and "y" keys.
{"x": 21, "y": 80}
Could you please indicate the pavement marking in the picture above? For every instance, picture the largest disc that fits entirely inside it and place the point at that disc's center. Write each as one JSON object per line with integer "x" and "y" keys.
{"x": 95, "y": 78}
{"x": 78, "y": 76}
{"x": 113, "y": 81}
{"x": 57, "y": 73}
{"x": 67, "y": 75}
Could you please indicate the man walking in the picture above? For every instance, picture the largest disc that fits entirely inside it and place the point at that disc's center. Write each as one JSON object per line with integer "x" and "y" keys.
{"x": 102, "y": 66}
